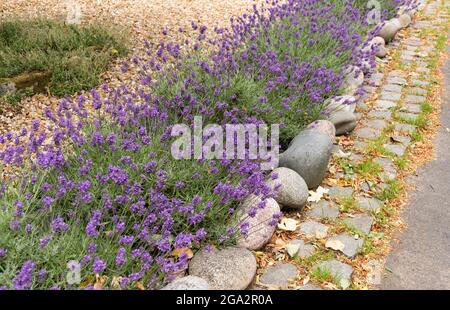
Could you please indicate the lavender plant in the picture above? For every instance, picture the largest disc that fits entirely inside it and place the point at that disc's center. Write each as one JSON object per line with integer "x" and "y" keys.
{"x": 97, "y": 183}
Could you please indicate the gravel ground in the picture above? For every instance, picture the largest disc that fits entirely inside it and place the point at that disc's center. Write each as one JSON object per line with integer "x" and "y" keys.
{"x": 136, "y": 19}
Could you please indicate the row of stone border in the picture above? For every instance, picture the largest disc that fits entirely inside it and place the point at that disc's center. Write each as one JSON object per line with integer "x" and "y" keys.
{"x": 302, "y": 166}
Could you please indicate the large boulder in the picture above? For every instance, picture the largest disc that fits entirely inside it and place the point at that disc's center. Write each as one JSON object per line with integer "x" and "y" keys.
{"x": 405, "y": 20}
{"x": 353, "y": 80}
{"x": 308, "y": 154}
{"x": 343, "y": 121}
{"x": 260, "y": 227}
{"x": 342, "y": 103}
{"x": 227, "y": 269}
{"x": 292, "y": 191}
{"x": 323, "y": 126}
{"x": 188, "y": 283}
{"x": 390, "y": 29}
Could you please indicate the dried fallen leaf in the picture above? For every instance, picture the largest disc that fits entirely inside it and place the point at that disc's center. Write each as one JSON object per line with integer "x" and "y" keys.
{"x": 140, "y": 286}
{"x": 89, "y": 280}
{"x": 306, "y": 280}
{"x": 288, "y": 224}
{"x": 115, "y": 282}
{"x": 335, "y": 245}
{"x": 178, "y": 252}
{"x": 316, "y": 196}
{"x": 100, "y": 281}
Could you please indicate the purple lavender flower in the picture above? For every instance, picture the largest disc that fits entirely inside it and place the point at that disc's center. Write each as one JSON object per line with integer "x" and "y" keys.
{"x": 24, "y": 279}
{"x": 98, "y": 266}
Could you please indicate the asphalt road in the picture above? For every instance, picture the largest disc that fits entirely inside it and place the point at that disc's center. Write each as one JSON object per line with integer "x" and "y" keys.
{"x": 422, "y": 258}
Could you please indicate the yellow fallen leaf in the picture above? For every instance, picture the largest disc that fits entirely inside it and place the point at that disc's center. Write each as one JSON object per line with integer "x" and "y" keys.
{"x": 178, "y": 252}
{"x": 140, "y": 286}
{"x": 89, "y": 280}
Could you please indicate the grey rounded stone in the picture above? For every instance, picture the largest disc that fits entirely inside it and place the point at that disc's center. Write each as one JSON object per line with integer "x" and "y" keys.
{"x": 405, "y": 20}
{"x": 188, "y": 283}
{"x": 260, "y": 230}
{"x": 338, "y": 270}
{"x": 390, "y": 29}
{"x": 323, "y": 126}
{"x": 292, "y": 191}
{"x": 279, "y": 275}
{"x": 353, "y": 80}
{"x": 308, "y": 155}
{"x": 227, "y": 269}
{"x": 377, "y": 44}
{"x": 342, "y": 103}
{"x": 313, "y": 229}
{"x": 344, "y": 122}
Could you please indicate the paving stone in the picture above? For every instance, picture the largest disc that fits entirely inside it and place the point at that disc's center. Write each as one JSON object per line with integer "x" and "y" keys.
{"x": 385, "y": 95}
{"x": 389, "y": 168}
{"x": 298, "y": 248}
{"x": 414, "y": 99}
{"x": 376, "y": 79}
{"x": 279, "y": 275}
{"x": 367, "y": 133}
{"x": 323, "y": 209}
{"x": 392, "y": 88}
{"x": 356, "y": 158}
{"x": 336, "y": 192}
{"x": 408, "y": 58}
{"x": 362, "y": 222}
{"x": 369, "y": 204}
{"x": 412, "y": 108}
{"x": 396, "y": 80}
{"x": 417, "y": 91}
{"x": 411, "y": 48}
{"x": 346, "y": 244}
{"x": 405, "y": 127}
{"x": 420, "y": 83}
{"x": 337, "y": 269}
{"x": 309, "y": 287}
{"x": 405, "y": 140}
{"x": 413, "y": 41}
{"x": 397, "y": 73}
{"x": 423, "y": 70}
{"x": 385, "y": 104}
{"x": 377, "y": 124}
{"x": 380, "y": 114}
{"x": 408, "y": 116}
{"x": 313, "y": 229}
{"x": 360, "y": 145}
{"x": 397, "y": 149}
{"x": 408, "y": 52}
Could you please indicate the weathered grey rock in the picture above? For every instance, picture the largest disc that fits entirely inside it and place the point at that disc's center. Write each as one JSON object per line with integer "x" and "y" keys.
{"x": 419, "y": 83}
{"x": 360, "y": 145}
{"x": 376, "y": 79}
{"x": 260, "y": 228}
{"x": 407, "y": 116}
{"x": 393, "y": 88}
{"x": 7, "y": 88}
{"x": 292, "y": 191}
{"x": 377, "y": 124}
{"x": 387, "y": 115}
{"x": 227, "y": 269}
{"x": 389, "y": 168}
{"x": 309, "y": 287}
{"x": 377, "y": 44}
{"x": 353, "y": 80}
{"x": 298, "y": 248}
{"x": 188, "y": 283}
{"x": 405, "y": 20}
{"x": 405, "y": 127}
{"x": 414, "y": 99}
{"x": 396, "y": 149}
{"x": 342, "y": 103}
{"x": 396, "y": 80}
{"x": 337, "y": 192}
{"x": 369, "y": 204}
{"x": 323, "y": 209}
{"x": 362, "y": 222}
{"x": 312, "y": 229}
{"x": 308, "y": 155}
{"x": 323, "y": 126}
{"x": 345, "y": 244}
{"x": 413, "y": 108}
{"x": 385, "y": 104}
{"x": 423, "y": 70}
{"x": 279, "y": 275}
{"x": 417, "y": 91}
{"x": 343, "y": 121}
{"x": 390, "y": 29}
{"x": 387, "y": 95}
{"x": 367, "y": 133}
{"x": 405, "y": 140}
{"x": 338, "y": 270}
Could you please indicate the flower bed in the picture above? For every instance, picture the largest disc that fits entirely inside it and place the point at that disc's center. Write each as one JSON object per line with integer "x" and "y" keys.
{"x": 102, "y": 189}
